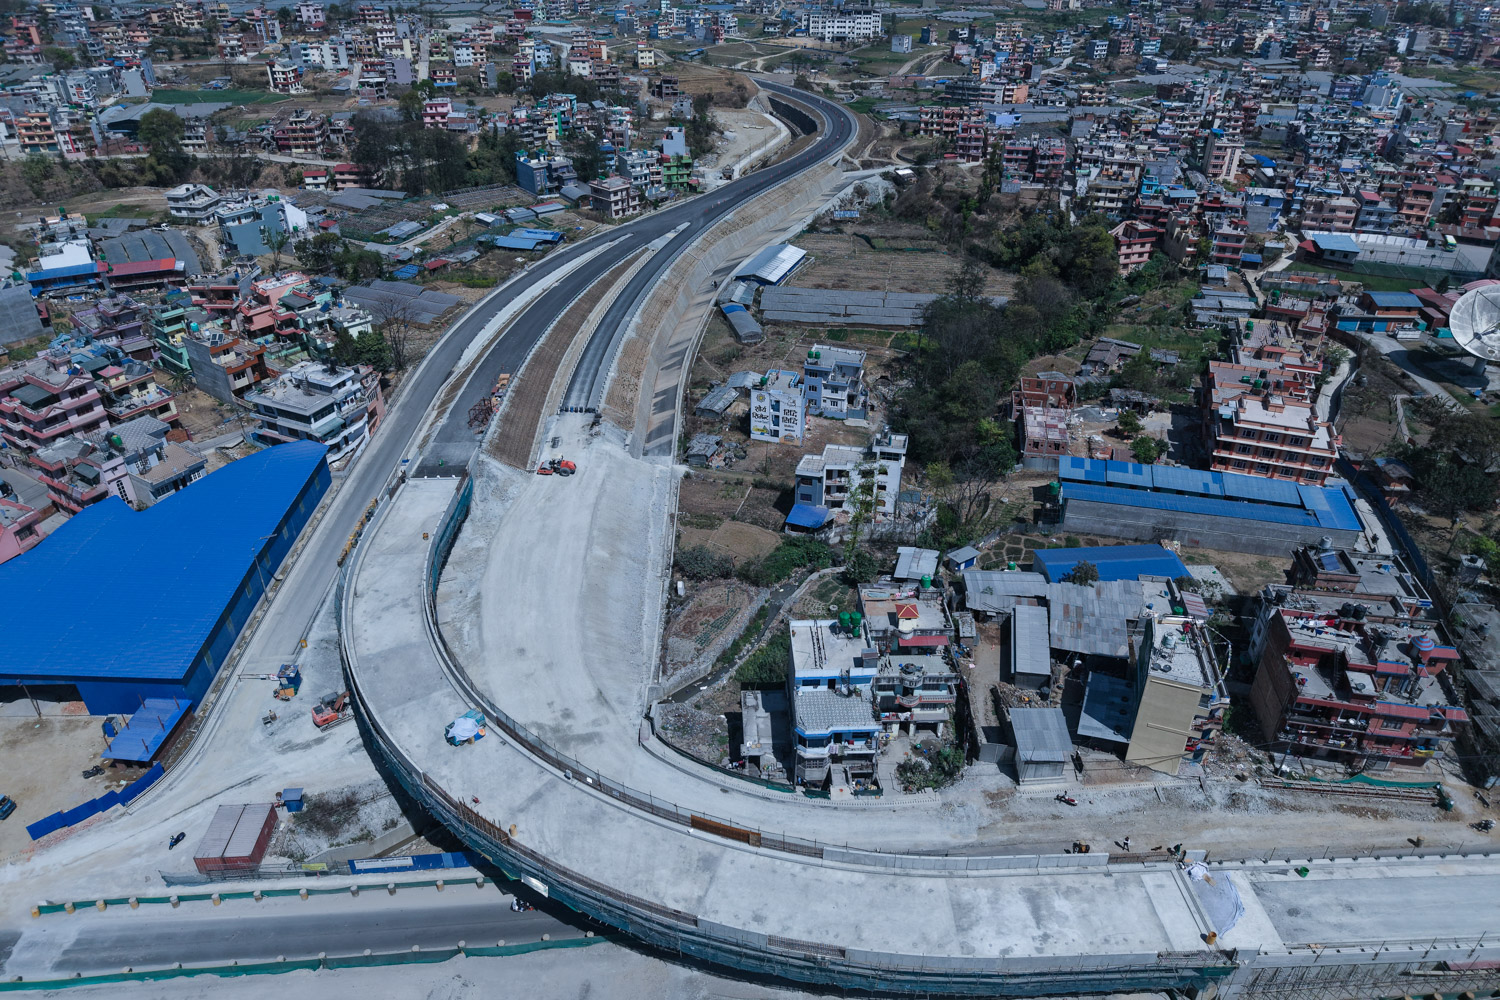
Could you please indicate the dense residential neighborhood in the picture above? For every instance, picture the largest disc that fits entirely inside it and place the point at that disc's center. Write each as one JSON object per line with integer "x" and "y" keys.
{"x": 742, "y": 465}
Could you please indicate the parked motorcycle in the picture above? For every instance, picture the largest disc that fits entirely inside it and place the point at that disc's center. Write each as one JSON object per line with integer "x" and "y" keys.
{"x": 1064, "y": 797}
{"x": 177, "y": 838}
{"x": 93, "y": 772}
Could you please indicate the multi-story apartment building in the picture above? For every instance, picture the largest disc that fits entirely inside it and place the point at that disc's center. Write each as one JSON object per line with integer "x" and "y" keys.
{"x": 1255, "y": 424}
{"x": 35, "y": 133}
{"x": 834, "y": 377}
{"x": 778, "y": 408}
{"x": 829, "y": 681}
{"x": 1179, "y": 693}
{"x": 339, "y": 407}
{"x": 847, "y": 25}
{"x": 1229, "y": 242}
{"x": 192, "y": 202}
{"x": 614, "y": 196}
{"x": 641, "y": 167}
{"x": 1221, "y": 156}
{"x": 20, "y": 527}
{"x": 1135, "y": 241}
{"x": 131, "y": 390}
{"x": 1352, "y": 679}
{"x": 302, "y": 132}
{"x": 223, "y": 365}
{"x": 844, "y": 476}
{"x": 40, "y": 405}
{"x": 285, "y": 77}
{"x": 543, "y": 175}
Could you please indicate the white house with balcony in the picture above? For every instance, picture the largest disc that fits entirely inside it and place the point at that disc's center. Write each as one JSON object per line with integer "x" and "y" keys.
{"x": 192, "y": 202}
{"x": 314, "y": 401}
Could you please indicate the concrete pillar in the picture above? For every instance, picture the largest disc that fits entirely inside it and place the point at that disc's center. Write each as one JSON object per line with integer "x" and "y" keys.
{"x": 390, "y": 887}
{"x": 99, "y": 905}
{"x": 216, "y": 899}
{"x": 135, "y": 904}
{"x": 68, "y": 907}
{"x": 174, "y": 901}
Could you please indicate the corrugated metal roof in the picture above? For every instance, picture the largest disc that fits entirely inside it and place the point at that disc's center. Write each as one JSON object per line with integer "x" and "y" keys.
{"x": 772, "y": 264}
{"x": 1165, "y": 487}
{"x": 1030, "y": 648}
{"x": 191, "y": 553}
{"x": 1115, "y": 562}
{"x": 1041, "y": 735}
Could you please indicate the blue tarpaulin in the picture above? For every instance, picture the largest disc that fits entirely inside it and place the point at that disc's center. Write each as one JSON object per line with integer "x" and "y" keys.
{"x": 806, "y": 515}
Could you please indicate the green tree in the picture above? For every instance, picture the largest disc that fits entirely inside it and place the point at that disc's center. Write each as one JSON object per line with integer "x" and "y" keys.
{"x": 1083, "y": 572}
{"x": 60, "y": 58}
{"x": 345, "y": 349}
{"x": 161, "y": 131}
{"x": 375, "y": 351}
{"x": 319, "y": 253}
{"x": 1129, "y": 423}
{"x": 1147, "y": 449}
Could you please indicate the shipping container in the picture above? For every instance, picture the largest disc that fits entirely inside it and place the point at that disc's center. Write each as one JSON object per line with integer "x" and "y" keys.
{"x": 251, "y": 834}
{"x": 208, "y": 857}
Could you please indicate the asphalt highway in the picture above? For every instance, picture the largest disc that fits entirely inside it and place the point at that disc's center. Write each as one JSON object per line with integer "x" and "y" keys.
{"x": 245, "y": 931}
{"x": 455, "y": 441}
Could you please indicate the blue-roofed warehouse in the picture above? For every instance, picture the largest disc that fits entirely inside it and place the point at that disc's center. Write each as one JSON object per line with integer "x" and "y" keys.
{"x": 1115, "y": 562}
{"x": 1214, "y": 510}
{"x": 187, "y": 573}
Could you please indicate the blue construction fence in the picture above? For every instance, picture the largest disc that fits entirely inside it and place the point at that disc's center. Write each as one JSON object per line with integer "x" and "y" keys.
{"x": 110, "y": 799}
{"x": 416, "y": 862}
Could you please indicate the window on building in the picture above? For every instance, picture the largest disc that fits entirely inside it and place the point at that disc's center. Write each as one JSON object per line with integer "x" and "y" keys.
{"x": 1390, "y": 723}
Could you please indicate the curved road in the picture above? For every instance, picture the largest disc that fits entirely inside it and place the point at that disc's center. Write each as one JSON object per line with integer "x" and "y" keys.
{"x": 455, "y": 441}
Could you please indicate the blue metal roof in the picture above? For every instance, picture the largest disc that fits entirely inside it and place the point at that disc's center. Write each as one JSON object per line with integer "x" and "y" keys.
{"x": 147, "y": 729}
{"x": 1262, "y": 489}
{"x": 1181, "y": 480}
{"x": 1189, "y": 504}
{"x": 1394, "y": 300}
{"x": 806, "y": 515}
{"x": 515, "y": 242}
{"x": 1128, "y": 474}
{"x": 1115, "y": 562}
{"x": 170, "y": 571}
{"x": 546, "y": 235}
{"x": 1339, "y": 242}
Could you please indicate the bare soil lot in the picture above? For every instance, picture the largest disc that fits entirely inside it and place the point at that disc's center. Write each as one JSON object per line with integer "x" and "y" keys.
{"x": 884, "y": 256}
{"x": 46, "y": 758}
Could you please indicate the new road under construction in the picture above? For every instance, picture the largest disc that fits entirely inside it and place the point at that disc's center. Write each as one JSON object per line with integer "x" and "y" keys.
{"x": 537, "y": 601}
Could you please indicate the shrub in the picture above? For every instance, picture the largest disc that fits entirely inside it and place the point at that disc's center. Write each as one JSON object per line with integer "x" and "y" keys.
{"x": 768, "y": 664}
{"x": 699, "y": 562}
{"x": 936, "y": 770}
{"x": 791, "y": 555}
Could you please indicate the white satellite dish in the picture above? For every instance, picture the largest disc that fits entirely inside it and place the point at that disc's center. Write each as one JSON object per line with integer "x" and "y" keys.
{"x": 1475, "y": 322}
